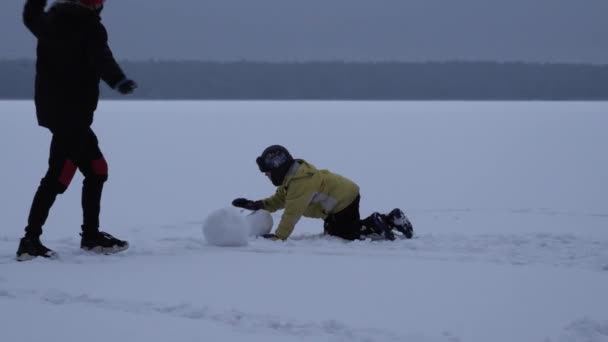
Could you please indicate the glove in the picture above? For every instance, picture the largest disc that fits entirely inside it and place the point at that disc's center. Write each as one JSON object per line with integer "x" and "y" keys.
{"x": 248, "y": 204}
{"x": 126, "y": 86}
{"x": 271, "y": 237}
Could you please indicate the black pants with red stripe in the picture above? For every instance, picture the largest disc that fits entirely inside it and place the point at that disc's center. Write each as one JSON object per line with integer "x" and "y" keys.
{"x": 71, "y": 150}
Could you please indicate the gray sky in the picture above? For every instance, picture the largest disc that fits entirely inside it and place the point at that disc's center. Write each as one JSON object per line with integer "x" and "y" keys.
{"x": 361, "y": 30}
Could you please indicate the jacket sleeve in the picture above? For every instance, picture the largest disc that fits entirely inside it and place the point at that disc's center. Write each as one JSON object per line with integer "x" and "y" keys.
{"x": 34, "y": 17}
{"x": 102, "y": 58}
{"x": 298, "y": 197}
{"x": 276, "y": 201}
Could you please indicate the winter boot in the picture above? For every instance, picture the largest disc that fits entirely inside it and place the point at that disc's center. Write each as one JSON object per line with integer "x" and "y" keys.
{"x": 102, "y": 243}
{"x": 375, "y": 227}
{"x": 396, "y": 219}
{"x": 31, "y": 247}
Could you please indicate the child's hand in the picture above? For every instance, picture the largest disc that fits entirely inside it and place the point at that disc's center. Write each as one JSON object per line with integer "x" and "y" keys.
{"x": 248, "y": 204}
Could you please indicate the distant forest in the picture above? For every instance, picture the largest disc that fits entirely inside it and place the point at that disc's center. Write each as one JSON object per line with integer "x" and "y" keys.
{"x": 341, "y": 80}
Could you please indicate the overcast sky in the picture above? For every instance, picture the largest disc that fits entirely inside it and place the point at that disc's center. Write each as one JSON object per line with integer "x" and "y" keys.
{"x": 300, "y": 30}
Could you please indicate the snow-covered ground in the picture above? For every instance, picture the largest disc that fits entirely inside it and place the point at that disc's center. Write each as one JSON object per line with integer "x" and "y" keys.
{"x": 509, "y": 201}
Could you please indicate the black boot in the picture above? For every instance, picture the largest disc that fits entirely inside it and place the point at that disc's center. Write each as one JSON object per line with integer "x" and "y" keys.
{"x": 396, "y": 219}
{"x": 102, "y": 243}
{"x": 30, "y": 247}
{"x": 375, "y": 227}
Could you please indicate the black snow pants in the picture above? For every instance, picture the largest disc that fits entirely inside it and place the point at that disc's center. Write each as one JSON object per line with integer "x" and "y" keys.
{"x": 346, "y": 223}
{"x": 70, "y": 150}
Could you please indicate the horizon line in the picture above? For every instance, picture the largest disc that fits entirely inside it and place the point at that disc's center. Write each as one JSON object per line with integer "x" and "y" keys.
{"x": 335, "y": 61}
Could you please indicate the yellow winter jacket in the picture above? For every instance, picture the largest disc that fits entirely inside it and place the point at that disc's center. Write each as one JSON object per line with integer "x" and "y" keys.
{"x": 309, "y": 192}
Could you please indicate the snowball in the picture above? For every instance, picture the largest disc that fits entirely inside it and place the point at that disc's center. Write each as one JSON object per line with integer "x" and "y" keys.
{"x": 226, "y": 227}
{"x": 260, "y": 222}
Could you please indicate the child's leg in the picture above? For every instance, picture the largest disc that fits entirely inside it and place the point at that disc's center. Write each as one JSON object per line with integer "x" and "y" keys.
{"x": 346, "y": 223}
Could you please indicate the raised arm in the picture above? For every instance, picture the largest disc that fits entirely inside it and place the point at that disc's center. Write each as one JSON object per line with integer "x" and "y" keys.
{"x": 34, "y": 17}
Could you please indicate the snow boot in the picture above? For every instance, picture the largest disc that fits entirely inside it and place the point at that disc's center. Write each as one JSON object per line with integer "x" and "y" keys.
{"x": 31, "y": 247}
{"x": 396, "y": 219}
{"x": 376, "y": 228}
{"x": 102, "y": 243}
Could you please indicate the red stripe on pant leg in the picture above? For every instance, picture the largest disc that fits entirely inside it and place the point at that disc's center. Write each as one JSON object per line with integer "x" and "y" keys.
{"x": 67, "y": 173}
{"x": 100, "y": 166}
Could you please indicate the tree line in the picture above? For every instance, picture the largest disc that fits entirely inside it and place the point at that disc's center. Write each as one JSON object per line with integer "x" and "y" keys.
{"x": 334, "y": 80}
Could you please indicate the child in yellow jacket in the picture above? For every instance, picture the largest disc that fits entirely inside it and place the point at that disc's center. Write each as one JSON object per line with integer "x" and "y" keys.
{"x": 303, "y": 190}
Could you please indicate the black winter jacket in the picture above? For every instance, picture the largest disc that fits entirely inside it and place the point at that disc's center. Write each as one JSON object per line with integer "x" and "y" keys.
{"x": 73, "y": 55}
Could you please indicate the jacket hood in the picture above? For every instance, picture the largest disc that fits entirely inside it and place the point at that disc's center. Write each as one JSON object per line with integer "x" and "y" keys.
{"x": 299, "y": 169}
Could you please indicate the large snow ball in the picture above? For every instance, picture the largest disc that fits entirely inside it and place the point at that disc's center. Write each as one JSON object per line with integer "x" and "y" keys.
{"x": 226, "y": 227}
{"x": 260, "y": 222}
